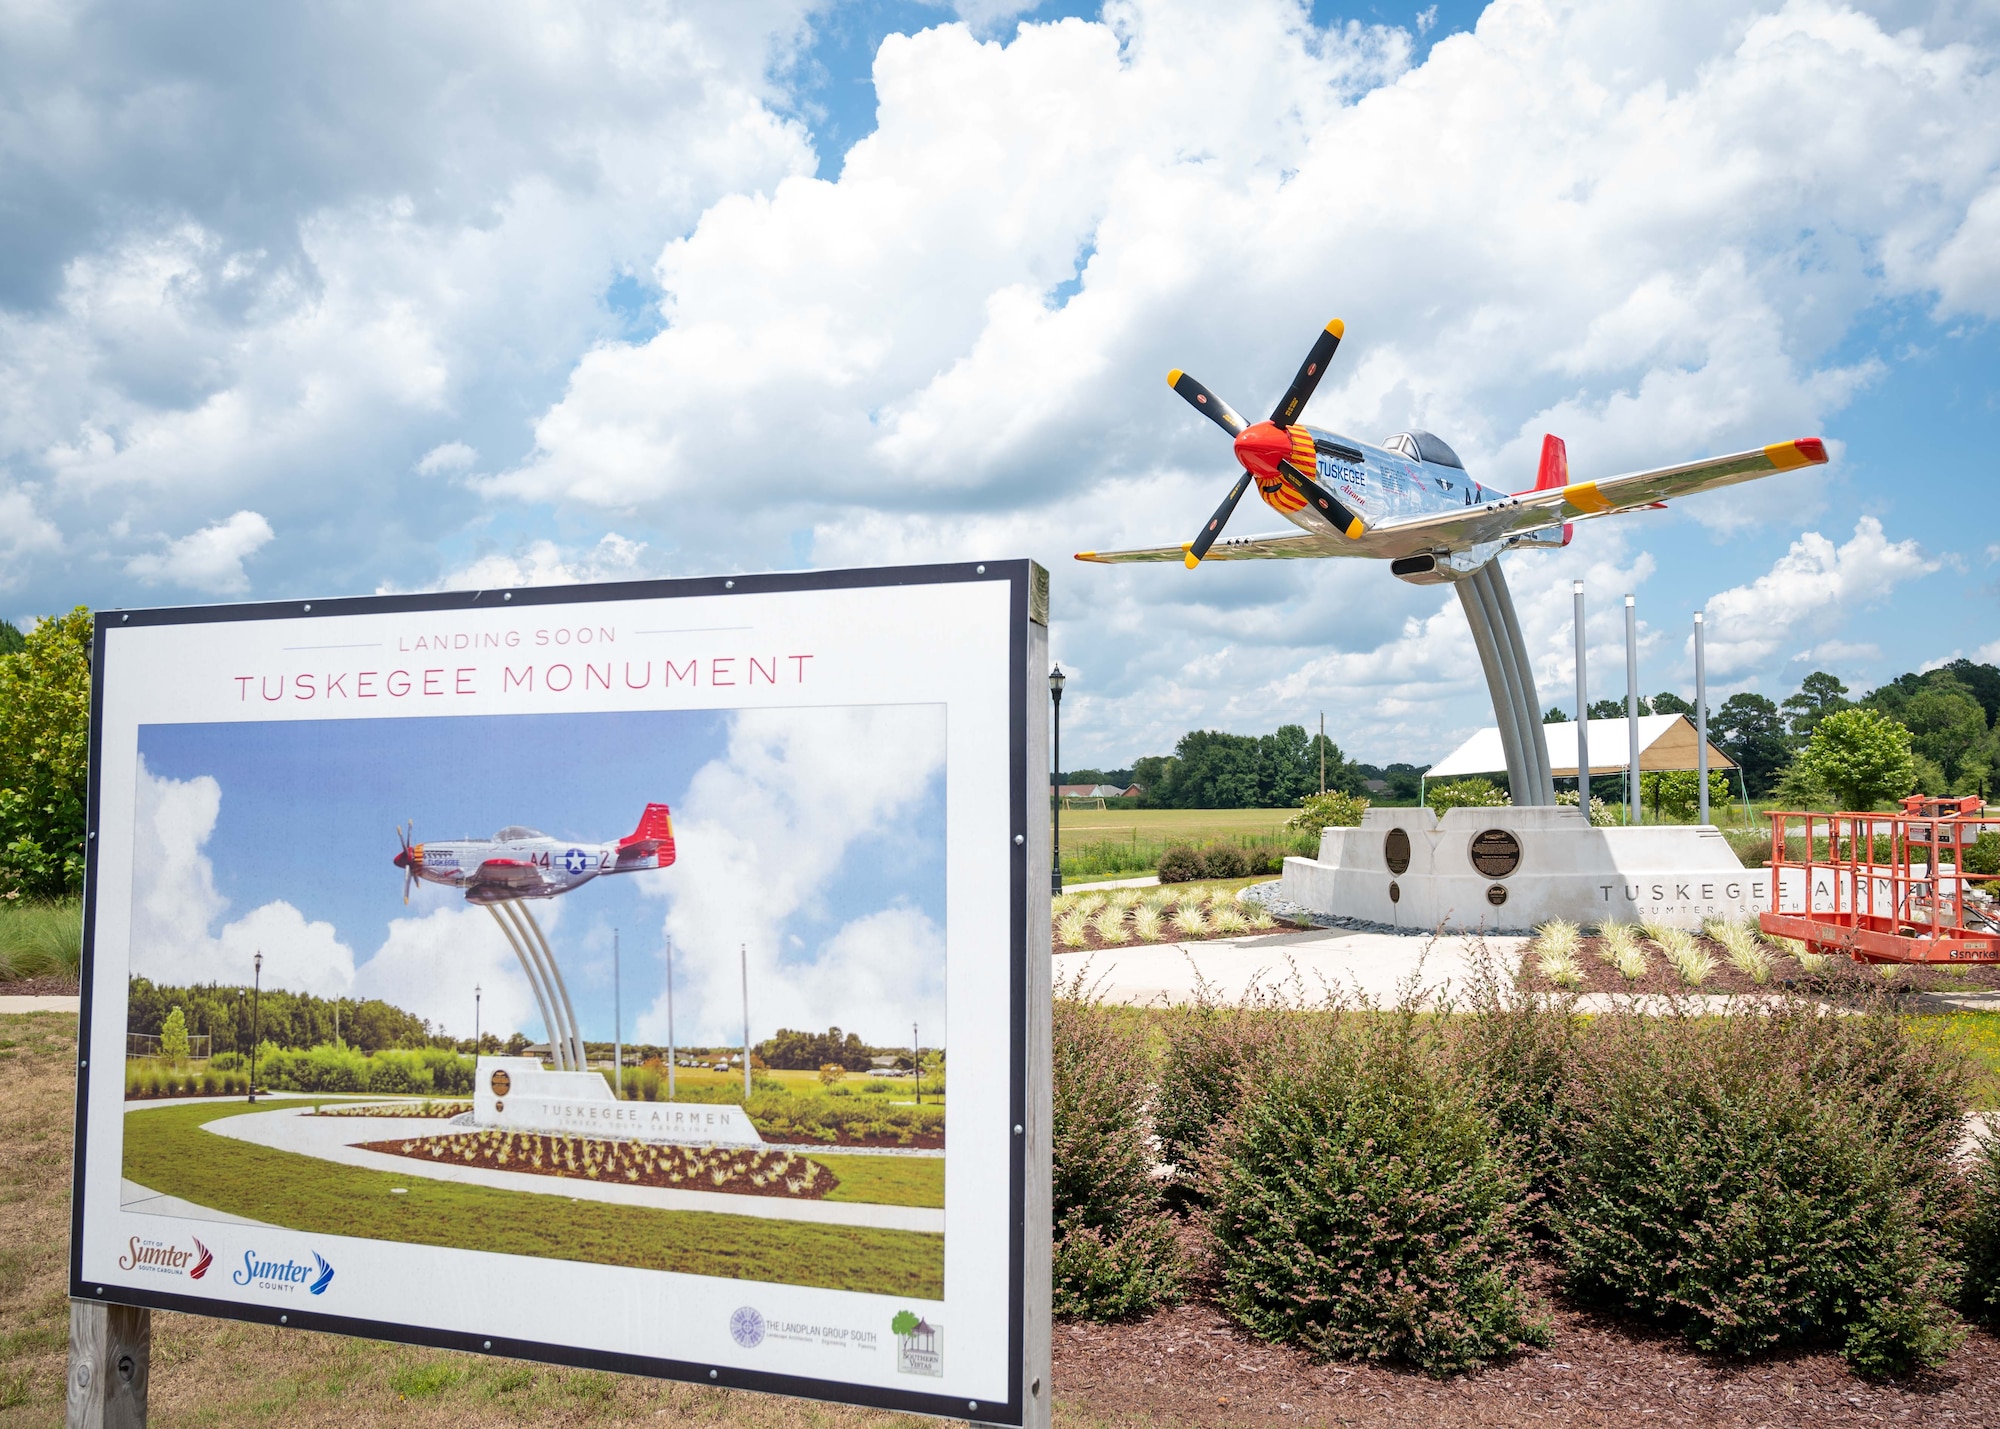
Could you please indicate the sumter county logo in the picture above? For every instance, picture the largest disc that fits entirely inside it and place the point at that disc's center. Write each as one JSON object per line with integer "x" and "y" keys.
{"x": 919, "y": 1345}
{"x": 163, "y": 1258}
{"x": 284, "y": 1274}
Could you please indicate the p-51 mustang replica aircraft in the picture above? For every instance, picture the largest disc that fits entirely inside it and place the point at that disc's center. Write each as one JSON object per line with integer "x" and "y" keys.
{"x": 1410, "y": 502}
{"x": 525, "y": 863}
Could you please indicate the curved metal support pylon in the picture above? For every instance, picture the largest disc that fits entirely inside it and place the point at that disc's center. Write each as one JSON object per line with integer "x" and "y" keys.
{"x": 1503, "y": 655}
{"x": 558, "y": 1043}
{"x": 564, "y": 1009}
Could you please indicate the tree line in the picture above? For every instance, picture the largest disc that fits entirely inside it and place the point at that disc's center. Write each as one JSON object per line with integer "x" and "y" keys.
{"x": 225, "y": 1012}
{"x": 1937, "y": 731}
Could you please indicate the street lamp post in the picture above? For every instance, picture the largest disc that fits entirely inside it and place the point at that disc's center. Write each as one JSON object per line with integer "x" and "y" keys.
{"x": 477, "y": 993}
{"x": 256, "y": 1021}
{"x": 1056, "y": 682}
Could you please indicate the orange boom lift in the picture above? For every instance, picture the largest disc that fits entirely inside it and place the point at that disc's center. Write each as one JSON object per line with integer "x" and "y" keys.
{"x": 1886, "y": 888}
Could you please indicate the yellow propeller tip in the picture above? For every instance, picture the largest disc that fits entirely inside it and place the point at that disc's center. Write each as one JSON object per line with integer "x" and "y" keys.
{"x": 1174, "y": 377}
{"x": 1337, "y": 328}
{"x": 1190, "y": 560}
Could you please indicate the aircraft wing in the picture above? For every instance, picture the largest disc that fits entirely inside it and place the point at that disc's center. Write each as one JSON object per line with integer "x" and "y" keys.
{"x": 513, "y": 874}
{"x": 1291, "y": 545}
{"x": 1533, "y": 510}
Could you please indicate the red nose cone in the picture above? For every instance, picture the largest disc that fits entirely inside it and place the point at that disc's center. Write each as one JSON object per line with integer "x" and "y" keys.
{"x": 1260, "y": 448}
{"x": 402, "y": 859}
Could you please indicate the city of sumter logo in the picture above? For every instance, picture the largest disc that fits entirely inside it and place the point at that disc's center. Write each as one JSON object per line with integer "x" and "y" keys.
{"x": 166, "y": 1257}
{"x": 919, "y": 1344}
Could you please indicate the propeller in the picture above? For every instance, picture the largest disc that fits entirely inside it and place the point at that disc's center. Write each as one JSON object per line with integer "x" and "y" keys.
{"x": 1266, "y": 448}
{"x": 407, "y": 860}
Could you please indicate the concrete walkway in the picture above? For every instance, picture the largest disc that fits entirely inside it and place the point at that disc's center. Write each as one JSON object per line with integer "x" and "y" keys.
{"x": 334, "y": 1138}
{"x": 1079, "y": 885}
{"x": 144, "y": 1201}
{"x": 41, "y": 1004}
{"x": 1375, "y": 965}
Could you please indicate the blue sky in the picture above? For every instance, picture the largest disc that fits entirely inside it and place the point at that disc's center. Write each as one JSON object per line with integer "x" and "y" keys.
{"x": 302, "y": 302}
{"x": 307, "y": 814}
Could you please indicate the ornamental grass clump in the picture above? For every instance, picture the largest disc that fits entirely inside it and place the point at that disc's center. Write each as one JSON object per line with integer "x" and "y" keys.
{"x": 1693, "y": 963}
{"x": 1226, "y": 918}
{"x": 1559, "y": 936}
{"x": 1358, "y": 1205}
{"x": 1110, "y": 924}
{"x": 1618, "y": 944}
{"x": 1767, "y": 1180}
{"x": 1745, "y": 951}
{"x": 1116, "y": 1253}
{"x": 1560, "y": 967}
{"x": 1146, "y": 923}
{"x": 1073, "y": 928}
{"x": 1189, "y": 919}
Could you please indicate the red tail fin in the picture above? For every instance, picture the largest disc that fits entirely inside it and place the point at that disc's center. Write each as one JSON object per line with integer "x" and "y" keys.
{"x": 1554, "y": 470}
{"x": 656, "y": 828}
{"x": 1553, "y": 474}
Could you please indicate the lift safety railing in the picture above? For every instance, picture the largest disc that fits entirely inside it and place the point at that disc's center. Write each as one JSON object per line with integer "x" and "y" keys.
{"x": 1889, "y": 888}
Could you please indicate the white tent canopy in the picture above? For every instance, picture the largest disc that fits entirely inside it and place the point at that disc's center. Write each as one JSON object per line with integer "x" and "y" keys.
{"x": 1666, "y": 741}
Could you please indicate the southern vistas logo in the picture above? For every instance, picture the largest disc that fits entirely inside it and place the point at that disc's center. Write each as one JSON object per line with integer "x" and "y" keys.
{"x": 161, "y": 1257}
{"x": 285, "y": 1274}
{"x": 919, "y": 1344}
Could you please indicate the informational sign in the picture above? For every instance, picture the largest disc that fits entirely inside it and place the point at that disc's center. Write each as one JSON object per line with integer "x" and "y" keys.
{"x": 650, "y": 977}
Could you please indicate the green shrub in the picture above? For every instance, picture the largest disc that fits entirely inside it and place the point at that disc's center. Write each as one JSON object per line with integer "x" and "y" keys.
{"x": 1332, "y": 809}
{"x": 1466, "y": 794}
{"x": 1979, "y": 1297}
{"x": 1206, "y": 1047}
{"x": 1982, "y": 856}
{"x": 1224, "y": 860}
{"x": 1116, "y": 1253}
{"x": 1359, "y": 1208}
{"x": 1767, "y": 1180}
{"x": 1181, "y": 863}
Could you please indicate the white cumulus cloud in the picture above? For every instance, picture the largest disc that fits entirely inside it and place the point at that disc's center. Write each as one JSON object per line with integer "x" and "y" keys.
{"x": 768, "y": 825}
{"x": 1806, "y": 594}
{"x": 175, "y": 905}
{"x": 210, "y": 559}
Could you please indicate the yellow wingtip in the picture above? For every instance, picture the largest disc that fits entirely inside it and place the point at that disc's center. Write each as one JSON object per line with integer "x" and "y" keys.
{"x": 1337, "y": 328}
{"x": 1086, "y": 555}
{"x": 1174, "y": 377}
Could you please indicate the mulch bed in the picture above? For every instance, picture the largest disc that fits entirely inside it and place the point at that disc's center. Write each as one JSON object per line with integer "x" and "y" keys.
{"x": 625, "y": 1163}
{"x": 1786, "y": 975}
{"x": 1189, "y": 1365}
{"x": 40, "y": 987}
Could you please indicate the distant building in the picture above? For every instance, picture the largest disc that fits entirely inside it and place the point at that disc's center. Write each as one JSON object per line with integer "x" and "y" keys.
{"x": 1097, "y": 791}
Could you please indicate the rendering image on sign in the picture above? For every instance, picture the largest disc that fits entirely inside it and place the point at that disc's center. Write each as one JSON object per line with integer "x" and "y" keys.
{"x": 644, "y": 970}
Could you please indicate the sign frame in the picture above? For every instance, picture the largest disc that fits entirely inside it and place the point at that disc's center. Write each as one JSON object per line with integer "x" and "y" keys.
{"x": 1030, "y": 1058}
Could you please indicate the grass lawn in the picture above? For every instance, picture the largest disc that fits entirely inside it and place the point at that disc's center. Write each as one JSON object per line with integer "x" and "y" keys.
{"x": 1170, "y": 825}
{"x": 166, "y": 1150}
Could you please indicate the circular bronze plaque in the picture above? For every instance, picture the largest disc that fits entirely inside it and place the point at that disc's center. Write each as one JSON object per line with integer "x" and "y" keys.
{"x": 1395, "y": 891}
{"x": 1496, "y": 895}
{"x": 499, "y": 1106}
{"x": 1396, "y": 849}
{"x": 1495, "y": 852}
{"x": 500, "y": 1082}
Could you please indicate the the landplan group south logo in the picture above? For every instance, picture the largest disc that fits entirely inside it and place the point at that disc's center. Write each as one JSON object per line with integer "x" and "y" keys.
{"x": 746, "y": 1327}
{"x": 284, "y": 1274}
{"x": 919, "y": 1345}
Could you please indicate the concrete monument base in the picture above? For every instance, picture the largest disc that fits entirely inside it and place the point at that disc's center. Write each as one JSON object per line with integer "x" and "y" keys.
{"x": 1509, "y": 869}
{"x": 519, "y": 1094}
